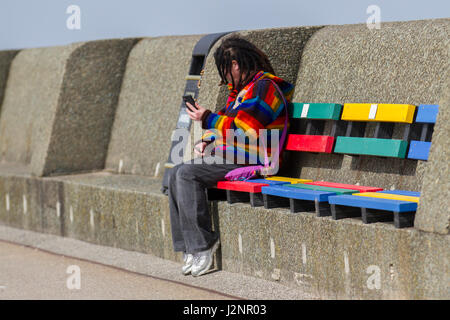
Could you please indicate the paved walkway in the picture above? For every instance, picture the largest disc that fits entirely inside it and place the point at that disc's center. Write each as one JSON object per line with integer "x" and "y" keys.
{"x": 112, "y": 273}
{"x": 27, "y": 273}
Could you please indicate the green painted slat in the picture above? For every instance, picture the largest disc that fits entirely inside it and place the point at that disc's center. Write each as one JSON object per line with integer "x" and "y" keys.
{"x": 371, "y": 146}
{"x": 296, "y": 110}
{"x": 321, "y": 188}
{"x": 326, "y": 111}
{"x": 320, "y": 111}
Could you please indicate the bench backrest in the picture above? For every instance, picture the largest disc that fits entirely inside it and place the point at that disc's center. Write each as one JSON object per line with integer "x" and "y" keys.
{"x": 351, "y": 63}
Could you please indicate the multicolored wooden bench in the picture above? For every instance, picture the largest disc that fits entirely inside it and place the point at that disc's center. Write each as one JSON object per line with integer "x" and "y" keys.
{"x": 347, "y": 136}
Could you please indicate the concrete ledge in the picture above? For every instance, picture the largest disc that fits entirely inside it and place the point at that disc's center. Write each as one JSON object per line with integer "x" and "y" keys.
{"x": 122, "y": 211}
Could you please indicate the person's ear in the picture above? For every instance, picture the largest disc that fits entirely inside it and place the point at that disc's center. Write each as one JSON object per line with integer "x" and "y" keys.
{"x": 235, "y": 65}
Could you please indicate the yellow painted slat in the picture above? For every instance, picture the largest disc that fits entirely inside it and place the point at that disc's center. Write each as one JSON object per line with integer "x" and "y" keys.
{"x": 395, "y": 113}
{"x": 383, "y": 112}
{"x": 356, "y": 111}
{"x": 387, "y": 196}
{"x": 287, "y": 179}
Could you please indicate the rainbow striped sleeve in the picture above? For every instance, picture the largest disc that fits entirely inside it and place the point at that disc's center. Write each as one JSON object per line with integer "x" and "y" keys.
{"x": 261, "y": 105}
{"x": 210, "y": 135}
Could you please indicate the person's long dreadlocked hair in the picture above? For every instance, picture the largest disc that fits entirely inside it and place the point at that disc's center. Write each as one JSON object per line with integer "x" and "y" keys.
{"x": 249, "y": 58}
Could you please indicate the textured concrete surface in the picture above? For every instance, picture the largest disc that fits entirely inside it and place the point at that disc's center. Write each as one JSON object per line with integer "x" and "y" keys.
{"x": 127, "y": 211}
{"x": 403, "y": 62}
{"x": 46, "y": 276}
{"x": 62, "y": 124}
{"x": 30, "y": 104}
{"x": 6, "y": 57}
{"x": 149, "y": 104}
{"x": 87, "y": 106}
{"x": 433, "y": 214}
{"x": 220, "y": 282}
{"x": 343, "y": 259}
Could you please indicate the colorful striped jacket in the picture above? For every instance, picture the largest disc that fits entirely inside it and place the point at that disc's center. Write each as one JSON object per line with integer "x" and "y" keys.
{"x": 257, "y": 106}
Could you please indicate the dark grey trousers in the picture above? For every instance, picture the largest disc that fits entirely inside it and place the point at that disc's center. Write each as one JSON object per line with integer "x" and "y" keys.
{"x": 190, "y": 218}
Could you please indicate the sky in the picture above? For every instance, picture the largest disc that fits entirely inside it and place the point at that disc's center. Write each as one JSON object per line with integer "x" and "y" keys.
{"x": 42, "y": 23}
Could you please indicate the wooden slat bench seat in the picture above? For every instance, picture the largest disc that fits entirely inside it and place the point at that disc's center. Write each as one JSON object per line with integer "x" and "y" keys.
{"x": 382, "y": 207}
{"x": 299, "y": 200}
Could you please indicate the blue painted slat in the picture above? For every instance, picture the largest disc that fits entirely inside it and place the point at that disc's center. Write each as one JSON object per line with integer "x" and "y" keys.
{"x": 373, "y": 203}
{"x": 427, "y": 113}
{"x": 296, "y": 193}
{"x": 402, "y": 192}
{"x": 271, "y": 182}
{"x": 419, "y": 150}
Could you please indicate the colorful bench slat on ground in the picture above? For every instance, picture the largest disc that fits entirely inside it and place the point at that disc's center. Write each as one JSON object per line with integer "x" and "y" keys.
{"x": 426, "y": 115}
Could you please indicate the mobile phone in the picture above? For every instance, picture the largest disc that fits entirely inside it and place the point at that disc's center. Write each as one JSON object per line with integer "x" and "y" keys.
{"x": 189, "y": 99}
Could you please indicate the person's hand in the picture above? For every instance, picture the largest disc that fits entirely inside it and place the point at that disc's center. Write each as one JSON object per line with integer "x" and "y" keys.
{"x": 199, "y": 148}
{"x": 194, "y": 114}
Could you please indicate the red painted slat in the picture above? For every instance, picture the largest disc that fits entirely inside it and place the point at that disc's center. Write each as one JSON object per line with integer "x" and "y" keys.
{"x": 310, "y": 143}
{"x": 241, "y": 186}
{"x": 345, "y": 186}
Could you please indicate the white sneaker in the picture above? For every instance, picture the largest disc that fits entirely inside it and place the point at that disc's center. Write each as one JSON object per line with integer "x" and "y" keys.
{"x": 203, "y": 260}
{"x": 188, "y": 260}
